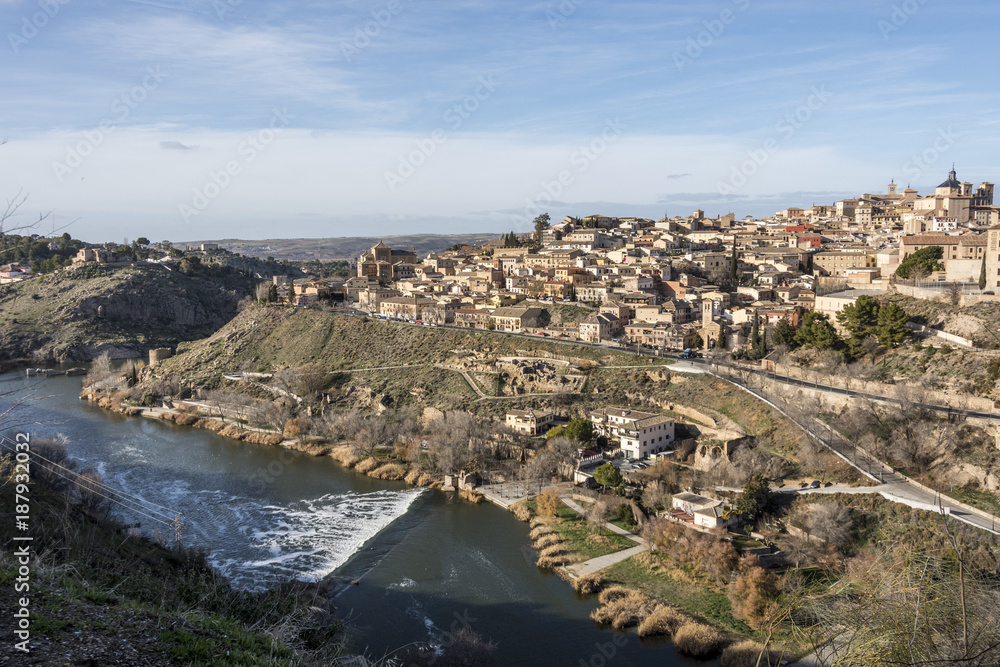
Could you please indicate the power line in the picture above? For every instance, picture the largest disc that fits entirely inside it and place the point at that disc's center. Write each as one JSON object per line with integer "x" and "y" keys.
{"x": 125, "y": 497}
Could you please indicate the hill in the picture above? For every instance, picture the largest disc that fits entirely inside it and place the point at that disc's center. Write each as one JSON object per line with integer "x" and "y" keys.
{"x": 75, "y": 315}
{"x": 346, "y": 247}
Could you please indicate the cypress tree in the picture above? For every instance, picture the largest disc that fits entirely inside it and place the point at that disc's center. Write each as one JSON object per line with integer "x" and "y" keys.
{"x": 982, "y": 274}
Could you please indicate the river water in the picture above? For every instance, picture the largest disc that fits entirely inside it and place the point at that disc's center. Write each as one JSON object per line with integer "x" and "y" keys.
{"x": 427, "y": 563}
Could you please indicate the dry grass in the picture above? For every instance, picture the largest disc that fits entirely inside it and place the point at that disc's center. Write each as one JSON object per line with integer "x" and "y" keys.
{"x": 623, "y": 609}
{"x": 547, "y": 541}
{"x": 536, "y": 522}
{"x": 551, "y": 562}
{"x": 472, "y": 496}
{"x": 368, "y": 465}
{"x": 345, "y": 456}
{"x": 613, "y": 594}
{"x": 588, "y": 583}
{"x": 553, "y": 551}
{"x": 697, "y": 640}
{"x": 746, "y": 654}
{"x": 412, "y": 477}
{"x": 390, "y": 471}
{"x": 665, "y": 620}
{"x": 183, "y": 420}
{"x": 539, "y": 531}
{"x": 521, "y": 511}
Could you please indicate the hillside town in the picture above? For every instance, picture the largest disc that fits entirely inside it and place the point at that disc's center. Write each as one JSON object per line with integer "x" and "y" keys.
{"x": 686, "y": 282}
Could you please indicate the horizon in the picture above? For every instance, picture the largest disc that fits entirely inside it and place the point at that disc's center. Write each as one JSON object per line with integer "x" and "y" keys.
{"x": 191, "y": 118}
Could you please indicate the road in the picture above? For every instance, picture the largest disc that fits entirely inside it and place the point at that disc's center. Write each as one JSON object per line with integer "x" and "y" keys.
{"x": 899, "y": 487}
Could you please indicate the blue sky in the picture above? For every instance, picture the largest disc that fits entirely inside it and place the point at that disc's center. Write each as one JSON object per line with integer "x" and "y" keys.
{"x": 195, "y": 119}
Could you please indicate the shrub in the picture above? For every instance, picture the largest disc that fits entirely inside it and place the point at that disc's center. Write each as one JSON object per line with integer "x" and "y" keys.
{"x": 368, "y": 465}
{"x": 345, "y": 456}
{"x": 746, "y": 654}
{"x": 664, "y": 620}
{"x": 538, "y": 531}
{"x": 588, "y": 583}
{"x": 624, "y": 608}
{"x": 697, "y": 640}
{"x": 547, "y": 541}
{"x": 548, "y": 502}
{"x": 472, "y": 496}
{"x": 552, "y": 551}
{"x": 521, "y": 511}
{"x": 613, "y": 594}
{"x": 390, "y": 471}
{"x": 550, "y": 562}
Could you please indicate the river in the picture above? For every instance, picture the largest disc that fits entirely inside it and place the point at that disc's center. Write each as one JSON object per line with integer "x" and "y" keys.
{"x": 427, "y": 563}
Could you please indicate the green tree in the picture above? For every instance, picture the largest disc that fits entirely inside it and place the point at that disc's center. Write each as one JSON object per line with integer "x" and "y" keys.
{"x": 756, "y": 497}
{"x": 921, "y": 262}
{"x": 541, "y": 224}
{"x": 272, "y": 293}
{"x": 608, "y": 475}
{"x": 581, "y": 430}
{"x": 816, "y": 331}
{"x": 697, "y": 342}
{"x": 982, "y": 274}
{"x": 861, "y": 317}
{"x": 755, "y": 331}
{"x": 554, "y": 432}
{"x": 723, "y": 336}
{"x": 784, "y": 334}
{"x": 142, "y": 240}
{"x": 891, "y": 329}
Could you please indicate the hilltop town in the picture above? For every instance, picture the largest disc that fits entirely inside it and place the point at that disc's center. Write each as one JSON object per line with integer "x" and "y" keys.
{"x": 695, "y": 281}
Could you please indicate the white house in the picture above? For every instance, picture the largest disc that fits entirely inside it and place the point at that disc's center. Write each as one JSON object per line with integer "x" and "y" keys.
{"x": 641, "y": 433}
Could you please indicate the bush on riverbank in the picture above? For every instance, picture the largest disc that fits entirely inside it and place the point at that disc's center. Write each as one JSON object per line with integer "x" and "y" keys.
{"x": 697, "y": 640}
{"x": 623, "y": 608}
{"x": 521, "y": 511}
{"x": 747, "y": 653}
{"x": 588, "y": 583}
{"x": 665, "y": 620}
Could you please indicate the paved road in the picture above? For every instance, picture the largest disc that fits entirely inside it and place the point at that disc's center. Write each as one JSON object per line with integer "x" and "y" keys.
{"x": 901, "y": 487}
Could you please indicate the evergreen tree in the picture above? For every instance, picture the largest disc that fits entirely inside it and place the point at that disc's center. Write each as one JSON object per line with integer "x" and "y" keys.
{"x": 816, "y": 331}
{"x": 541, "y": 224}
{"x": 891, "y": 329}
{"x": 982, "y": 274}
{"x": 783, "y": 334}
{"x": 756, "y": 497}
{"x": 755, "y": 331}
{"x": 861, "y": 317}
{"x": 723, "y": 336}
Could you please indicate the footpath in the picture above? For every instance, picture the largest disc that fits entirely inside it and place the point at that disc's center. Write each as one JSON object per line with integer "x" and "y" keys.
{"x": 577, "y": 570}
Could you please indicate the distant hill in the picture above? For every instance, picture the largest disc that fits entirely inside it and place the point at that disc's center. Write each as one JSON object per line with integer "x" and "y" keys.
{"x": 345, "y": 247}
{"x": 75, "y": 315}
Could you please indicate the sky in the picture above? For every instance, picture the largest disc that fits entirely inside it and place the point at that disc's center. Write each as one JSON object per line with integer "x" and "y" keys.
{"x": 211, "y": 119}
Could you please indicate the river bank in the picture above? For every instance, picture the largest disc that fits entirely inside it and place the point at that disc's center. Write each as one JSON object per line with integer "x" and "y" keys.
{"x": 557, "y": 556}
{"x": 422, "y": 560}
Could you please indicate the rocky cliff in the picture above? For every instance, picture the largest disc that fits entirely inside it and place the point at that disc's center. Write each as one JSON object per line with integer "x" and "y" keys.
{"x": 77, "y": 315}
